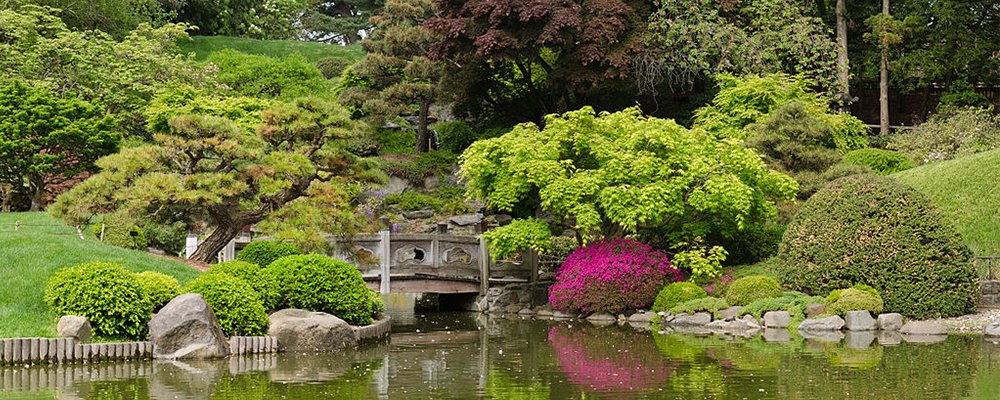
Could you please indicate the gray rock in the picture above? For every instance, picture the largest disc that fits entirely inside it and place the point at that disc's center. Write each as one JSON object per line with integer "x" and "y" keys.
{"x": 750, "y": 321}
{"x": 777, "y": 335}
{"x": 859, "y": 339}
{"x": 777, "y": 319}
{"x": 562, "y": 315}
{"x": 467, "y": 219}
{"x": 187, "y": 328}
{"x": 730, "y": 313}
{"x": 890, "y": 322}
{"x": 308, "y": 331}
{"x": 513, "y": 309}
{"x": 696, "y": 319}
{"x": 76, "y": 327}
{"x": 813, "y": 310}
{"x": 641, "y": 317}
{"x": 831, "y": 323}
{"x": 860, "y": 320}
{"x": 502, "y": 219}
{"x": 526, "y": 311}
{"x": 889, "y": 338}
{"x": 544, "y": 311}
{"x": 397, "y": 185}
{"x": 738, "y": 325}
{"x": 419, "y": 214}
{"x": 923, "y": 328}
{"x": 601, "y": 317}
{"x": 992, "y": 329}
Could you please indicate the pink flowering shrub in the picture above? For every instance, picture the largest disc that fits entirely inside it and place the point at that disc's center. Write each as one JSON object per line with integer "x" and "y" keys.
{"x": 609, "y": 361}
{"x": 720, "y": 285}
{"x": 611, "y": 276}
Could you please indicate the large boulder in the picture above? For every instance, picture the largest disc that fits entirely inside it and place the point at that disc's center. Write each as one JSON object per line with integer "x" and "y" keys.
{"x": 308, "y": 331}
{"x": 890, "y": 321}
{"x": 696, "y": 319}
{"x": 859, "y": 320}
{"x": 187, "y": 328}
{"x": 923, "y": 328}
{"x": 777, "y": 319}
{"x": 832, "y": 323}
{"x": 76, "y": 327}
{"x": 991, "y": 330}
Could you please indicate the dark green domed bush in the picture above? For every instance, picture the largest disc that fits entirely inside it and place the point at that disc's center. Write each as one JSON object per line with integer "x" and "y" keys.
{"x": 106, "y": 294}
{"x": 883, "y": 162}
{"x": 319, "y": 283}
{"x": 260, "y": 280}
{"x": 748, "y": 289}
{"x": 264, "y": 252}
{"x": 158, "y": 287}
{"x": 873, "y": 230}
{"x": 676, "y": 293}
{"x": 236, "y": 304}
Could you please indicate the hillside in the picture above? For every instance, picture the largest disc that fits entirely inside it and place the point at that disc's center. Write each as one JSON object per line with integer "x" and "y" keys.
{"x": 43, "y": 245}
{"x": 203, "y": 46}
{"x": 966, "y": 189}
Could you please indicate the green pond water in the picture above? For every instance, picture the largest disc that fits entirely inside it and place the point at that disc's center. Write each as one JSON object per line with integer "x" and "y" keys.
{"x": 469, "y": 356}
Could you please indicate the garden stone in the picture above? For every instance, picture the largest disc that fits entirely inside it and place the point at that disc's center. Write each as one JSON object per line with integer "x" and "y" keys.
{"x": 513, "y": 309}
{"x": 467, "y": 219}
{"x": 419, "y": 214}
{"x": 76, "y": 327}
{"x": 923, "y": 328}
{"x": 730, "y": 313}
{"x": 822, "y": 335}
{"x": 859, "y": 339}
{"x": 526, "y": 311}
{"x": 601, "y": 317}
{"x": 309, "y": 331}
{"x": 187, "y": 328}
{"x": 889, "y": 338}
{"x": 777, "y": 319}
{"x": 831, "y": 323}
{"x": 991, "y": 330}
{"x": 562, "y": 315}
{"x": 890, "y": 322}
{"x": 544, "y": 311}
{"x": 502, "y": 219}
{"x": 774, "y": 335}
{"x": 642, "y": 317}
{"x": 750, "y": 321}
{"x": 696, "y": 319}
{"x": 813, "y": 310}
{"x": 860, "y": 320}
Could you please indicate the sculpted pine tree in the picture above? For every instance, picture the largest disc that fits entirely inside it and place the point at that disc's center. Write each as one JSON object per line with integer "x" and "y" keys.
{"x": 399, "y": 77}
{"x": 339, "y": 21}
{"x": 208, "y": 168}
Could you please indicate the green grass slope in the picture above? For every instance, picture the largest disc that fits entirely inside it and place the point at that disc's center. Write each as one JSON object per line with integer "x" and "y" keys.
{"x": 967, "y": 190}
{"x": 203, "y": 46}
{"x": 43, "y": 245}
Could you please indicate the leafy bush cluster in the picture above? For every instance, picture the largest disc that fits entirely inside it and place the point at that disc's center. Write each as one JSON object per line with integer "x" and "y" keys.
{"x": 611, "y": 276}
{"x": 318, "y": 283}
{"x": 416, "y": 169}
{"x": 108, "y": 295}
{"x": 882, "y": 162}
{"x": 264, "y": 252}
{"x": 444, "y": 199}
{"x": 121, "y": 232}
{"x": 158, "y": 287}
{"x": 455, "y": 136}
{"x": 709, "y": 304}
{"x": 520, "y": 234}
{"x": 267, "y": 77}
{"x": 793, "y": 302}
{"x": 946, "y": 136}
{"x": 260, "y": 279}
{"x": 676, "y": 293}
{"x": 858, "y": 297}
{"x": 332, "y": 67}
{"x": 236, "y": 304}
{"x": 748, "y": 289}
{"x": 874, "y": 230}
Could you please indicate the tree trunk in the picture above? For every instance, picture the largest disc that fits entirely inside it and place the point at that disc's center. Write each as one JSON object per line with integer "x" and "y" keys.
{"x": 213, "y": 244}
{"x": 37, "y": 187}
{"x": 422, "y": 136}
{"x": 843, "y": 66}
{"x": 883, "y": 84}
{"x": 821, "y": 8}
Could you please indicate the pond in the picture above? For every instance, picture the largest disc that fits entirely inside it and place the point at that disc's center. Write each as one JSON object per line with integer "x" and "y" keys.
{"x": 468, "y": 356}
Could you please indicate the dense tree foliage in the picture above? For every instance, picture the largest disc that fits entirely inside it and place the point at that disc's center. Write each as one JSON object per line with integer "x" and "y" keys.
{"x": 259, "y": 19}
{"x": 339, "y": 21}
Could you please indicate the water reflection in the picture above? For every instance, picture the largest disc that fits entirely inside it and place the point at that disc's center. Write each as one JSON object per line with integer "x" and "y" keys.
{"x": 462, "y": 356}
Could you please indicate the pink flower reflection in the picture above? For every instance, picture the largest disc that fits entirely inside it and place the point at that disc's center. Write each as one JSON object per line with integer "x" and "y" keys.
{"x": 608, "y": 359}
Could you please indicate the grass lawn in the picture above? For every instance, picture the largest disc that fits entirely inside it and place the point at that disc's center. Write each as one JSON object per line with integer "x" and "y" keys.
{"x": 967, "y": 190}
{"x": 203, "y": 46}
{"x": 43, "y": 245}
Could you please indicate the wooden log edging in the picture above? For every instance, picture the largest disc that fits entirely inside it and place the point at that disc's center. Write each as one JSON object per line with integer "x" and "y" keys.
{"x": 253, "y": 345}
{"x": 19, "y": 351}
{"x": 376, "y": 330}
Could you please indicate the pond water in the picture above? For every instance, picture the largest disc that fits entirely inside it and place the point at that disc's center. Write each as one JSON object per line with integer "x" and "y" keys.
{"x": 469, "y": 356}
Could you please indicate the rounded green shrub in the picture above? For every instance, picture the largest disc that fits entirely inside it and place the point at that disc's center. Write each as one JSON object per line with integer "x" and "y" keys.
{"x": 676, "y": 293}
{"x": 319, "y": 283}
{"x": 236, "y": 304}
{"x": 264, "y": 252}
{"x": 748, "y": 289}
{"x": 106, "y": 294}
{"x": 260, "y": 280}
{"x": 332, "y": 67}
{"x": 709, "y": 304}
{"x": 377, "y": 304}
{"x": 882, "y": 162}
{"x": 873, "y": 230}
{"x": 860, "y": 297}
{"x": 158, "y": 287}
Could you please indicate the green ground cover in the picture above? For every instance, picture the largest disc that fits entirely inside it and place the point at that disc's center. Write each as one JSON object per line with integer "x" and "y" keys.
{"x": 966, "y": 190}
{"x": 203, "y": 46}
{"x": 43, "y": 245}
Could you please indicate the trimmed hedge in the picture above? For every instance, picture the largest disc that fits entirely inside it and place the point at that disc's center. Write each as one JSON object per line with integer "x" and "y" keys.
{"x": 260, "y": 280}
{"x": 319, "y": 283}
{"x": 873, "y": 230}
{"x": 106, "y": 294}
{"x": 676, "y": 293}
{"x": 236, "y": 304}
{"x": 748, "y": 289}
{"x": 882, "y": 162}
{"x": 159, "y": 288}
{"x": 264, "y": 252}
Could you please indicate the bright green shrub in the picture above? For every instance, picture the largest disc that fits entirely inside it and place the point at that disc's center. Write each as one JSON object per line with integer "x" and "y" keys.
{"x": 261, "y": 76}
{"x": 676, "y": 293}
{"x": 264, "y": 252}
{"x": 411, "y": 201}
{"x": 106, "y": 294}
{"x": 168, "y": 237}
{"x": 710, "y": 304}
{"x": 377, "y": 304}
{"x": 748, "y": 289}
{"x": 873, "y": 230}
{"x": 159, "y": 288}
{"x": 520, "y": 234}
{"x": 259, "y": 279}
{"x": 236, "y": 304}
{"x": 319, "y": 283}
{"x": 859, "y": 297}
{"x": 882, "y": 162}
{"x": 416, "y": 169}
{"x": 955, "y": 134}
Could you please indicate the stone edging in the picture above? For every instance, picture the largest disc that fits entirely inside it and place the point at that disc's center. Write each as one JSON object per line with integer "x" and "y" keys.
{"x": 377, "y": 329}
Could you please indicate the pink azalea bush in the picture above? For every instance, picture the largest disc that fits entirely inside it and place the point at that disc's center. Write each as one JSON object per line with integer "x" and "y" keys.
{"x": 611, "y": 276}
